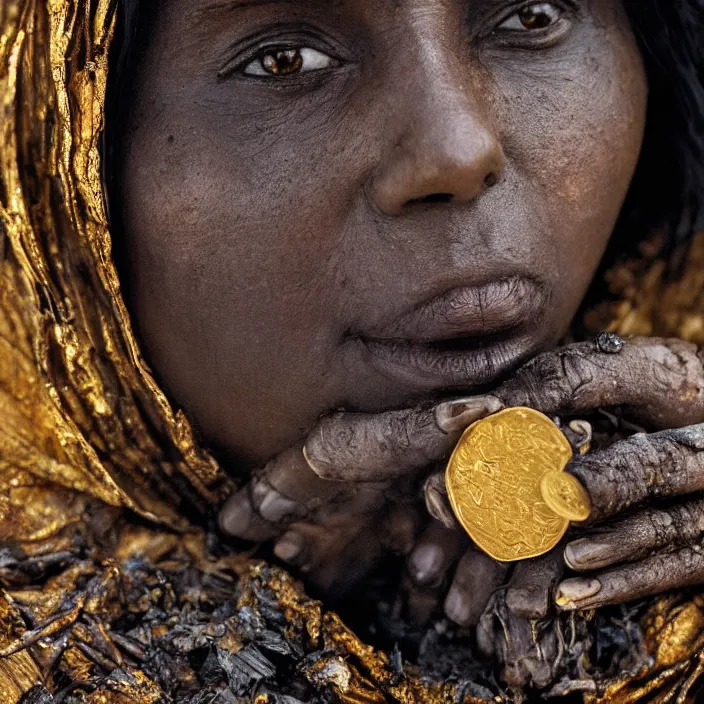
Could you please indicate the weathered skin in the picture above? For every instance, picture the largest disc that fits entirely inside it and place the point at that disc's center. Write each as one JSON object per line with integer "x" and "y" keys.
{"x": 654, "y": 382}
{"x": 388, "y": 183}
{"x": 440, "y": 155}
{"x": 109, "y": 588}
{"x": 277, "y": 227}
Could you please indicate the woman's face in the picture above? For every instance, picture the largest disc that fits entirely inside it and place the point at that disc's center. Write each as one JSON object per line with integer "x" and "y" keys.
{"x": 367, "y": 203}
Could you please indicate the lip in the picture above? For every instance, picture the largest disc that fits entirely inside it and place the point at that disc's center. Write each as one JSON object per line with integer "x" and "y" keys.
{"x": 465, "y": 339}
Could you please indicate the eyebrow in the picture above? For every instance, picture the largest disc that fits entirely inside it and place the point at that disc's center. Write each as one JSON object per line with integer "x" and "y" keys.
{"x": 215, "y": 5}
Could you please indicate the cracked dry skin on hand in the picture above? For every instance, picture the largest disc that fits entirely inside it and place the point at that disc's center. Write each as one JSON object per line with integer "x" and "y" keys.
{"x": 620, "y": 480}
{"x": 91, "y": 599}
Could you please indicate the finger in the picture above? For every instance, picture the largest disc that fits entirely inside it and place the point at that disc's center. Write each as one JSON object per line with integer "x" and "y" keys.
{"x": 430, "y": 563}
{"x": 434, "y": 554}
{"x": 346, "y": 559}
{"x": 294, "y": 548}
{"x": 238, "y": 519}
{"x": 361, "y": 447}
{"x": 527, "y": 649}
{"x": 286, "y": 490}
{"x": 307, "y": 542}
{"x": 476, "y": 579}
{"x": 437, "y": 502}
{"x": 529, "y": 653}
{"x": 486, "y": 634}
{"x": 421, "y": 603}
{"x": 659, "y": 382}
{"x": 529, "y": 594}
{"x": 530, "y": 657}
{"x": 399, "y": 529}
{"x": 307, "y": 545}
{"x": 348, "y": 448}
{"x": 654, "y": 575}
{"x": 636, "y": 537}
{"x": 669, "y": 463}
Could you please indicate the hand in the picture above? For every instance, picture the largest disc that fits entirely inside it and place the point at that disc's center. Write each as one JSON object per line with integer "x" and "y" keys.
{"x": 514, "y": 628}
{"x": 336, "y": 502}
{"x": 656, "y": 383}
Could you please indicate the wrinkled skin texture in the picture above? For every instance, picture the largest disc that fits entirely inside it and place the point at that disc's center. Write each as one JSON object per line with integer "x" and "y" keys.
{"x": 308, "y": 243}
{"x": 281, "y": 231}
{"x": 647, "y": 486}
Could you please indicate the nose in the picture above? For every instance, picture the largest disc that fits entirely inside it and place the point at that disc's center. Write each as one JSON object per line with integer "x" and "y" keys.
{"x": 445, "y": 150}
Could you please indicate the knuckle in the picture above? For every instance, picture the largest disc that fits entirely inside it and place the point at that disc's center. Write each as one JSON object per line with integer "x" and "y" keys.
{"x": 664, "y": 527}
{"x": 637, "y": 460}
{"x": 619, "y": 476}
{"x": 677, "y": 465}
{"x": 423, "y": 437}
{"x": 405, "y": 438}
{"x": 645, "y": 466}
{"x": 396, "y": 433}
{"x": 553, "y": 380}
{"x": 687, "y": 523}
{"x": 688, "y": 560}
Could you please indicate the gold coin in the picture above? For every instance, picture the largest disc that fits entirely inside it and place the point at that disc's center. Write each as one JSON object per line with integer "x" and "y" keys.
{"x": 494, "y": 483}
{"x": 564, "y": 494}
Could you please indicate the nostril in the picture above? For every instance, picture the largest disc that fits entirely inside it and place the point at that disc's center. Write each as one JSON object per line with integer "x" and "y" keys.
{"x": 491, "y": 180}
{"x": 431, "y": 199}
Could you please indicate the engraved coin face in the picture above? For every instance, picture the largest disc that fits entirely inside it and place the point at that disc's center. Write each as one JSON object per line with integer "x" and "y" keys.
{"x": 565, "y": 496}
{"x": 494, "y": 483}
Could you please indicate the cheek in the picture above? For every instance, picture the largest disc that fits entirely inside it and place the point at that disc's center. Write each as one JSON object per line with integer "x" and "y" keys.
{"x": 229, "y": 271}
{"x": 574, "y": 132}
{"x": 220, "y": 225}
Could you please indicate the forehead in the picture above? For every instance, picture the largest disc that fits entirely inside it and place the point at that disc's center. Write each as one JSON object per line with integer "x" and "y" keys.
{"x": 348, "y": 17}
{"x": 205, "y": 8}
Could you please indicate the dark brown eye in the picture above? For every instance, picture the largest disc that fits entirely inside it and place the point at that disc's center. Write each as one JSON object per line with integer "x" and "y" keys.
{"x": 282, "y": 62}
{"x": 279, "y": 62}
{"x": 539, "y": 15}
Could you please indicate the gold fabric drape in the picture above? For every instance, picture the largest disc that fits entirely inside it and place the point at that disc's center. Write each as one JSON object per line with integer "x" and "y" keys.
{"x": 89, "y": 444}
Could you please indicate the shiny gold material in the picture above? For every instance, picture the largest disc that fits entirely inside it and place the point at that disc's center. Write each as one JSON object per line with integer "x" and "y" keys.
{"x": 88, "y": 441}
{"x": 565, "y": 496}
{"x": 80, "y": 407}
{"x": 18, "y": 672}
{"x": 494, "y": 483}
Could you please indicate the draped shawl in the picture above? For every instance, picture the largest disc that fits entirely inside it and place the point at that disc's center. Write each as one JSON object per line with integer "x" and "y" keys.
{"x": 98, "y": 469}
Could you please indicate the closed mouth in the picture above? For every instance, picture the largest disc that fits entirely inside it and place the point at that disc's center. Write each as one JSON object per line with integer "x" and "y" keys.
{"x": 435, "y": 367}
{"x": 464, "y": 339}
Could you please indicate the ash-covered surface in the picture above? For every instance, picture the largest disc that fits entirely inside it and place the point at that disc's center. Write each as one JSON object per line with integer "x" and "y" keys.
{"x": 197, "y": 636}
{"x": 563, "y": 656}
{"x": 216, "y": 629}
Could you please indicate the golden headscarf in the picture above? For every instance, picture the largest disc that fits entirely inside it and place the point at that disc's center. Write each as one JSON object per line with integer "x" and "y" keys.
{"x": 80, "y": 409}
{"x": 81, "y": 417}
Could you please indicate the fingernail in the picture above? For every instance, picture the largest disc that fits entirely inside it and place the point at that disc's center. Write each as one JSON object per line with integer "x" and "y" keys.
{"x": 289, "y": 546}
{"x": 236, "y": 516}
{"x": 572, "y": 591}
{"x": 315, "y": 465}
{"x": 528, "y": 603}
{"x": 439, "y": 507}
{"x": 460, "y": 413}
{"x": 457, "y": 608}
{"x": 586, "y": 553}
{"x": 425, "y": 563}
{"x": 274, "y": 507}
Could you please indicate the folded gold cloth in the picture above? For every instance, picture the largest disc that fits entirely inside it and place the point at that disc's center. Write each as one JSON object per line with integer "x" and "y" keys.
{"x": 92, "y": 452}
